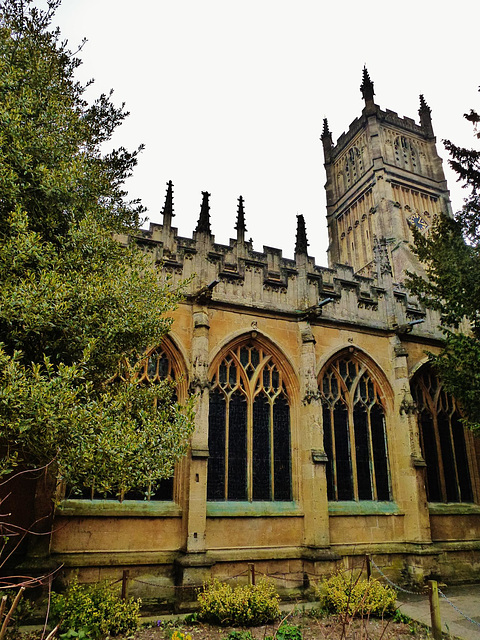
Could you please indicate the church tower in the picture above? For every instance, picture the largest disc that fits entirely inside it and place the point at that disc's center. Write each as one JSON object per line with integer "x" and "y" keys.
{"x": 384, "y": 176}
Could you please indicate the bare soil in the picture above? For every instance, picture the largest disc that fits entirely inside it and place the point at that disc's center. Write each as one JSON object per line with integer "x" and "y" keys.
{"x": 312, "y": 628}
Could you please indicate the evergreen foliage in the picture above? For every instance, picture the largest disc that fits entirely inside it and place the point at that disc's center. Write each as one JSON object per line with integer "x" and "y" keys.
{"x": 74, "y": 302}
{"x": 451, "y": 255}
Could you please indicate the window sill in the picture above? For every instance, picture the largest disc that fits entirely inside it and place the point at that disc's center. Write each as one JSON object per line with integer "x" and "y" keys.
{"x": 453, "y": 508}
{"x": 128, "y": 508}
{"x": 362, "y": 508}
{"x": 252, "y": 509}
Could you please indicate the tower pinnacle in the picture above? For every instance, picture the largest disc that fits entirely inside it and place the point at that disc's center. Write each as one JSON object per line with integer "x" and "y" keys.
{"x": 301, "y": 242}
{"x": 326, "y": 140}
{"x": 167, "y": 210}
{"x": 203, "y": 224}
{"x": 425, "y": 114}
{"x": 240, "y": 224}
{"x": 367, "y": 88}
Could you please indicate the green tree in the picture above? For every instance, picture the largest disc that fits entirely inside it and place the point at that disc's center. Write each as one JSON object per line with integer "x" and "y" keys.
{"x": 74, "y": 303}
{"x": 451, "y": 255}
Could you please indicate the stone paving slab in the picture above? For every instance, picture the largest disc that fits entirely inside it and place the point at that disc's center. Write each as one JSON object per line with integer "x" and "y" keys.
{"x": 465, "y": 597}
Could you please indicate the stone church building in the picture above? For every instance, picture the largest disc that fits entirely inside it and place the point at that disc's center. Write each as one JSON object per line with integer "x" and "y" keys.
{"x": 321, "y": 433}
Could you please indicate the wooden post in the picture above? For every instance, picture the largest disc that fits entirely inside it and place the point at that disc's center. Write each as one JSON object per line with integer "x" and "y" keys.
{"x": 435, "y": 609}
{"x": 251, "y": 573}
{"x": 369, "y": 566}
{"x": 124, "y": 584}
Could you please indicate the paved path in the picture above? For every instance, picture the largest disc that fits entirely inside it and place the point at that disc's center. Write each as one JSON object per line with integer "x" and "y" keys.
{"x": 466, "y": 598}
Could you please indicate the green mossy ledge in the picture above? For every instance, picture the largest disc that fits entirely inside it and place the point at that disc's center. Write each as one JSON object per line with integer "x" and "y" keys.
{"x": 128, "y": 508}
{"x": 252, "y": 509}
{"x": 363, "y": 508}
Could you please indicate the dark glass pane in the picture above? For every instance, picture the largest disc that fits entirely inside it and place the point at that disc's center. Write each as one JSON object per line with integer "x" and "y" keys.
{"x": 163, "y": 366}
{"x": 429, "y": 450}
{"x": 152, "y": 365}
{"x": 342, "y": 453}
{"x": 327, "y": 445}
{"x": 266, "y": 379}
{"x": 334, "y": 387}
{"x": 216, "y": 446}
{"x": 232, "y": 374}
{"x": 446, "y": 446}
{"x": 281, "y": 450}
{"x": 362, "y": 454}
{"x": 363, "y": 388}
{"x": 254, "y": 358}
{"x": 261, "y": 449}
{"x": 275, "y": 380}
{"x": 244, "y": 356}
{"x": 237, "y": 448}
{"x": 352, "y": 370}
{"x": 222, "y": 373}
{"x": 326, "y": 386}
{"x": 463, "y": 472}
{"x": 379, "y": 445}
{"x": 164, "y": 490}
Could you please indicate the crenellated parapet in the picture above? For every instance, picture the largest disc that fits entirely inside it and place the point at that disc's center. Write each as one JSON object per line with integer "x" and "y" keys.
{"x": 240, "y": 277}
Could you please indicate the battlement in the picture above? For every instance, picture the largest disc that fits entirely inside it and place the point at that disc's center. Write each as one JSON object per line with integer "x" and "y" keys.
{"x": 239, "y": 277}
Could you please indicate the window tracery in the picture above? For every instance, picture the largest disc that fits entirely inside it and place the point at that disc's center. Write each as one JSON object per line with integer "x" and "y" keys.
{"x": 249, "y": 428}
{"x": 354, "y": 432}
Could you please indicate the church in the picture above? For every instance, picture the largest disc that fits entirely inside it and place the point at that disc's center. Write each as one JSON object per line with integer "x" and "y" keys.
{"x": 322, "y": 435}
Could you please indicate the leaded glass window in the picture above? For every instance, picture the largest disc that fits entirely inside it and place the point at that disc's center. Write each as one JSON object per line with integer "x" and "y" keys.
{"x": 249, "y": 428}
{"x": 443, "y": 441}
{"x": 158, "y": 365}
{"x": 354, "y": 432}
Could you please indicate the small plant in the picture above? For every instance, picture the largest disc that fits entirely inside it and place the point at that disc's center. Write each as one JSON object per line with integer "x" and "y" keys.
{"x": 245, "y": 606}
{"x": 93, "y": 611}
{"x": 289, "y": 632}
{"x": 347, "y": 594}
{"x": 239, "y": 635}
{"x": 17, "y": 609}
{"x": 179, "y": 635}
{"x": 191, "y": 618}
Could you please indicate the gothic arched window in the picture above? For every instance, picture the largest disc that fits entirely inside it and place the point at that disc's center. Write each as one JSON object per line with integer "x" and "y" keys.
{"x": 354, "y": 432}
{"x": 158, "y": 364}
{"x": 249, "y": 428}
{"x": 442, "y": 439}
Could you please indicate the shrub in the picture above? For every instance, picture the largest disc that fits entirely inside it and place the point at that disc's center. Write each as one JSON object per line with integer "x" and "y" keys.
{"x": 243, "y": 605}
{"x": 93, "y": 611}
{"x": 346, "y": 594}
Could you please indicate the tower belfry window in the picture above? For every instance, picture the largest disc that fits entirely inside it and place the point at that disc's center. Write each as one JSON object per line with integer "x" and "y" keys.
{"x": 354, "y": 432}
{"x": 249, "y": 428}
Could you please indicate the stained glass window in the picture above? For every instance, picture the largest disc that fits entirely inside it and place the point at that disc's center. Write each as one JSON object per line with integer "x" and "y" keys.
{"x": 443, "y": 440}
{"x": 354, "y": 432}
{"x": 249, "y": 428}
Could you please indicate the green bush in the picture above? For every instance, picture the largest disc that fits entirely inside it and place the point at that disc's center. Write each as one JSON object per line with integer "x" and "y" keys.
{"x": 345, "y": 593}
{"x": 93, "y": 611}
{"x": 244, "y": 605}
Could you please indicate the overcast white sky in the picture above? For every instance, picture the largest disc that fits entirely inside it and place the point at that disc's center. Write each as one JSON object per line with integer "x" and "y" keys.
{"x": 229, "y": 96}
